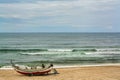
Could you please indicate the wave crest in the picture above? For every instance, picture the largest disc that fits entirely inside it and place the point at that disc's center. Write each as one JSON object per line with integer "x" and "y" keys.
{"x": 22, "y": 50}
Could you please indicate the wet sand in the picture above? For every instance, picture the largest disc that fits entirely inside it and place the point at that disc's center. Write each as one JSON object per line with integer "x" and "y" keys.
{"x": 76, "y": 73}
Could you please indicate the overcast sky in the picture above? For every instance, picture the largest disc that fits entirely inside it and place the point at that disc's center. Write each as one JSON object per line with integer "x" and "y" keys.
{"x": 59, "y": 15}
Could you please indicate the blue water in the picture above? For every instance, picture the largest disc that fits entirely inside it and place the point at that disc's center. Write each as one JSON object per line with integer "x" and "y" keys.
{"x": 59, "y": 48}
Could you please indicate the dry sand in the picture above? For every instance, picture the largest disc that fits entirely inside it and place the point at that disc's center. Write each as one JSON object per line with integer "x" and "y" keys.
{"x": 78, "y": 73}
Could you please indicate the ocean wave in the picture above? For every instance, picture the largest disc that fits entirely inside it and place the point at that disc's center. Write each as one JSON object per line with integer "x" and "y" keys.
{"x": 108, "y": 49}
{"x": 54, "y": 53}
{"x": 47, "y": 50}
{"x": 22, "y": 50}
{"x": 85, "y": 50}
{"x": 73, "y": 50}
{"x": 6, "y": 67}
{"x": 71, "y": 66}
{"x": 59, "y": 50}
{"x": 36, "y": 50}
{"x": 63, "y": 51}
{"x": 108, "y": 53}
{"x": 45, "y": 53}
{"x": 37, "y": 53}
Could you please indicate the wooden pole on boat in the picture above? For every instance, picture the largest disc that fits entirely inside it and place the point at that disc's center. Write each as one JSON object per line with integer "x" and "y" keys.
{"x": 13, "y": 65}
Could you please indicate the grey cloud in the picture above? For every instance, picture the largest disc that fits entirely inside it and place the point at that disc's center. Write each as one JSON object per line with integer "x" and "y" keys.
{"x": 77, "y": 12}
{"x": 28, "y": 1}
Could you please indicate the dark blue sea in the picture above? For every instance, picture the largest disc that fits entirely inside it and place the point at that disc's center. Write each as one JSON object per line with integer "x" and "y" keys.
{"x": 59, "y": 48}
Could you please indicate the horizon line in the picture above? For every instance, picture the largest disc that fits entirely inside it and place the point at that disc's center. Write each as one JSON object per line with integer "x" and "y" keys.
{"x": 59, "y": 32}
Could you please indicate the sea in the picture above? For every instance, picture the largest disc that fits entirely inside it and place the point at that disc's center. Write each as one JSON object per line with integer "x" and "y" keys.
{"x": 61, "y": 49}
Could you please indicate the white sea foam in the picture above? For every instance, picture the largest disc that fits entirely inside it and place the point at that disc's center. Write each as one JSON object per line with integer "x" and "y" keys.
{"x": 10, "y": 67}
{"x": 38, "y": 53}
{"x": 60, "y": 50}
{"x": 68, "y": 66}
{"x": 49, "y": 52}
{"x": 90, "y": 65}
{"x": 6, "y": 67}
{"x": 35, "y": 53}
{"x": 77, "y": 53}
{"x": 105, "y": 52}
{"x": 108, "y": 49}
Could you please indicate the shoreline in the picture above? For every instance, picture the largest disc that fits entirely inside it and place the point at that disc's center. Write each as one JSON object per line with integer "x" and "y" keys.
{"x": 69, "y": 66}
{"x": 111, "y": 72}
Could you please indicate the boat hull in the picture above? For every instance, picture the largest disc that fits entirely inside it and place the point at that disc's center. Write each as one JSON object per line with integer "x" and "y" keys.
{"x": 34, "y": 73}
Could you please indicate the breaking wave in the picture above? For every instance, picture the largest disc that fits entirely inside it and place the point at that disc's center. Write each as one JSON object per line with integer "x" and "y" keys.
{"x": 22, "y": 50}
{"x": 43, "y": 50}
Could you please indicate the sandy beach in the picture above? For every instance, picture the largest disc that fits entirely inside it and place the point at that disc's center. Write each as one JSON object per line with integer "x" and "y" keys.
{"x": 77, "y": 73}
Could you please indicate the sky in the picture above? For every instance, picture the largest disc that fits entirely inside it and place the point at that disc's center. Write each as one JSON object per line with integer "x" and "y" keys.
{"x": 59, "y": 15}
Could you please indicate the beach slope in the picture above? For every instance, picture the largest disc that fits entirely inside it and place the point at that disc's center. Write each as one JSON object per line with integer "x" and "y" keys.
{"x": 78, "y": 73}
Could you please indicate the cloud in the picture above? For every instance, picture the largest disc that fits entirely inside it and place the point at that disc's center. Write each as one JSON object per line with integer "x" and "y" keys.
{"x": 28, "y": 1}
{"x": 56, "y": 8}
{"x": 79, "y": 13}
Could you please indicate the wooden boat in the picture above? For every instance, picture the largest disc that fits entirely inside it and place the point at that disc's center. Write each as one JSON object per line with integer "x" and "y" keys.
{"x": 31, "y": 72}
